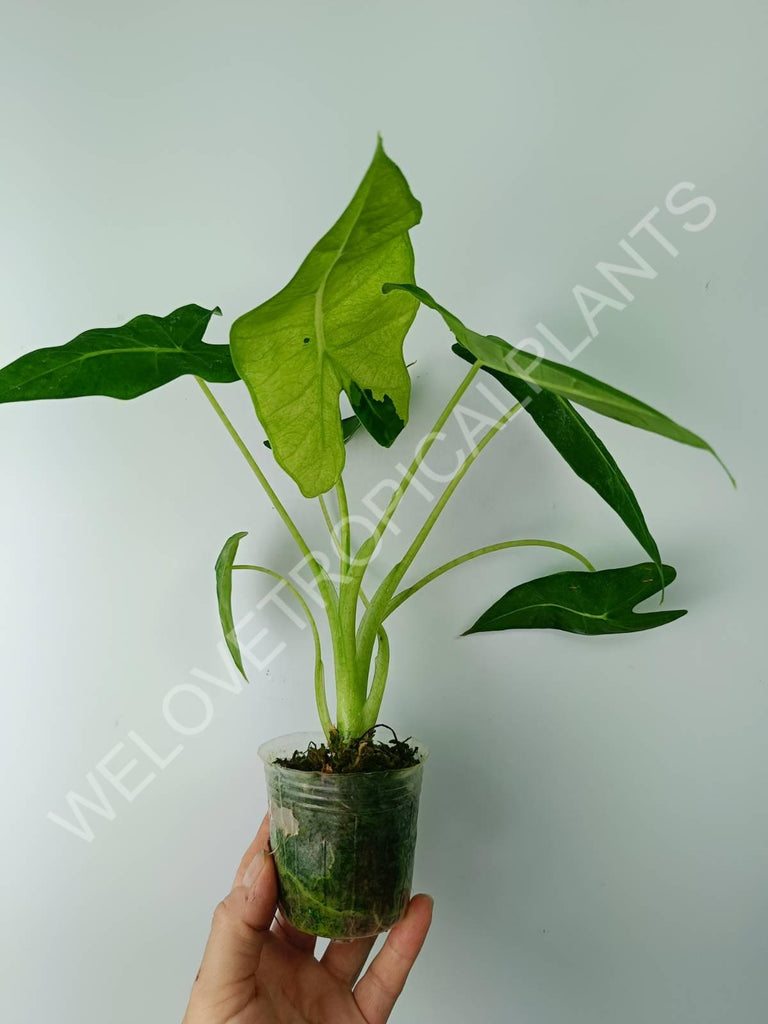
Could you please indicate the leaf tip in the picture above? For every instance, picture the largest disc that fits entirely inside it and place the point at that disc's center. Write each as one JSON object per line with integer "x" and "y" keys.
{"x": 727, "y": 471}
{"x": 668, "y": 574}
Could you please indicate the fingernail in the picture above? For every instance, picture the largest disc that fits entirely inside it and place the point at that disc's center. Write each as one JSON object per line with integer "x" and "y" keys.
{"x": 255, "y": 868}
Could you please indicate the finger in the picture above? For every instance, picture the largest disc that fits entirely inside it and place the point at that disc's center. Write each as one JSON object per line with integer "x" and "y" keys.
{"x": 378, "y": 989}
{"x": 240, "y": 926}
{"x": 280, "y": 927}
{"x": 286, "y": 932}
{"x": 261, "y": 842}
{"x": 345, "y": 960}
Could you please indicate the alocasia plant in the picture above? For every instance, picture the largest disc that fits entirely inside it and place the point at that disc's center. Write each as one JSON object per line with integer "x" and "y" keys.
{"x": 339, "y": 326}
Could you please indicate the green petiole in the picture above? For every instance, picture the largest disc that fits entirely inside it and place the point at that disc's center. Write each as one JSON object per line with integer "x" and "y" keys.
{"x": 320, "y": 695}
{"x": 398, "y": 599}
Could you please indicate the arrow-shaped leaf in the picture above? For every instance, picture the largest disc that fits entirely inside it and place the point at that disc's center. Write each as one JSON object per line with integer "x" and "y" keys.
{"x": 497, "y": 354}
{"x": 121, "y": 362}
{"x": 591, "y": 603}
{"x": 224, "y": 564}
{"x": 331, "y": 330}
{"x": 581, "y": 448}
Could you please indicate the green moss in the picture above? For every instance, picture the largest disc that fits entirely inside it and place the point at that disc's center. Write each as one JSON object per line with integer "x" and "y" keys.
{"x": 344, "y": 848}
{"x": 310, "y": 914}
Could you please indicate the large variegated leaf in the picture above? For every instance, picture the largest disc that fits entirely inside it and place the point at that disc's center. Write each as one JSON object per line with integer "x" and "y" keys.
{"x": 330, "y": 330}
{"x": 121, "y": 362}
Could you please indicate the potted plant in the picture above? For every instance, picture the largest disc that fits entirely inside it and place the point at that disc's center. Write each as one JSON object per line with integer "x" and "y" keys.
{"x": 344, "y": 803}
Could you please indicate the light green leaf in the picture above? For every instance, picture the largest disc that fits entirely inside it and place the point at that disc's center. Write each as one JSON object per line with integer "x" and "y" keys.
{"x": 224, "y": 564}
{"x": 349, "y": 427}
{"x": 121, "y": 362}
{"x": 331, "y": 330}
{"x": 571, "y": 384}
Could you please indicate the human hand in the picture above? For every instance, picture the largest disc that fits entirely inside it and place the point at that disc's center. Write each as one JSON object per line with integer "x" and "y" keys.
{"x": 258, "y": 969}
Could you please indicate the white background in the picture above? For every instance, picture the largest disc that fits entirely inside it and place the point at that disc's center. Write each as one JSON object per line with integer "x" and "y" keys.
{"x": 594, "y": 822}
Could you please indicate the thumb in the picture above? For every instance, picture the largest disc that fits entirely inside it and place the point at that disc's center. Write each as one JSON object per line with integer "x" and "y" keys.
{"x": 241, "y": 923}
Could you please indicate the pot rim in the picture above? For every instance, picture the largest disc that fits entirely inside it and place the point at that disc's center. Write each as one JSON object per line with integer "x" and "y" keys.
{"x": 284, "y": 746}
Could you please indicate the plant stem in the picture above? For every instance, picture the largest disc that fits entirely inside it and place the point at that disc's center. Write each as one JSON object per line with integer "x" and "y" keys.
{"x": 350, "y": 591}
{"x": 345, "y": 550}
{"x": 373, "y": 701}
{"x": 363, "y": 556}
{"x": 320, "y": 695}
{"x": 398, "y": 599}
{"x": 377, "y": 609}
{"x": 403, "y": 565}
{"x": 329, "y": 523}
{"x": 349, "y": 698}
{"x": 336, "y": 541}
{"x": 379, "y": 682}
{"x": 326, "y": 587}
{"x": 282, "y": 511}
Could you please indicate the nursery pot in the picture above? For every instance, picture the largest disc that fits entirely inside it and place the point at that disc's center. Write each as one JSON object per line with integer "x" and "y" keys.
{"x": 343, "y": 844}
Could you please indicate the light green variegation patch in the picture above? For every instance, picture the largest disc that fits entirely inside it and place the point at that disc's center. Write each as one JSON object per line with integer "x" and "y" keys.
{"x": 331, "y": 330}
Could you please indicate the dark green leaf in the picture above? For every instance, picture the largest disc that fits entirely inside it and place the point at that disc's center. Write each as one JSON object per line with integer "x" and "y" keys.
{"x": 121, "y": 362}
{"x": 581, "y": 448}
{"x": 224, "y": 564}
{"x": 380, "y": 418}
{"x": 349, "y": 427}
{"x": 329, "y": 328}
{"x": 497, "y": 354}
{"x": 591, "y": 603}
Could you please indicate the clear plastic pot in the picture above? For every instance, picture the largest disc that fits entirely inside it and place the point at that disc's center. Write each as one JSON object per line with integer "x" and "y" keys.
{"x": 343, "y": 844}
